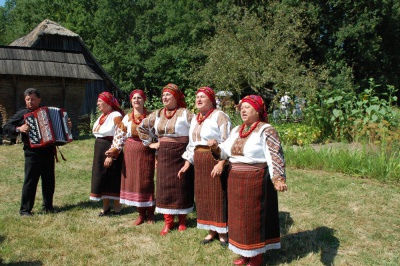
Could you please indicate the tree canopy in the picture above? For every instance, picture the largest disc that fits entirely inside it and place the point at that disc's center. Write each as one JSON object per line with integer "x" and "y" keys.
{"x": 243, "y": 46}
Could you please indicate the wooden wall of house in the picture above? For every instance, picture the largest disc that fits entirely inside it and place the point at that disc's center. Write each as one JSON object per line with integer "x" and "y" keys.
{"x": 53, "y": 93}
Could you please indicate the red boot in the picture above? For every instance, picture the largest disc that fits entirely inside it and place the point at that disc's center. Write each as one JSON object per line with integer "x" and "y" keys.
{"x": 256, "y": 261}
{"x": 241, "y": 261}
{"x": 150, "y": 214}
{"x": 169, "y": 224}
{"x": 142, "y": 216}
{"x": 182, "y": 222}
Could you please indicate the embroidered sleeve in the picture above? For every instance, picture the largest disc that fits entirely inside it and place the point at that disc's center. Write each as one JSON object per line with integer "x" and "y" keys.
{"x": 146, "y": 129}
{"x": 119, "y": 138}
{"x": 274, "y": 153}
{"x": 224, "y": 124}
{"x": 189, "y": 116}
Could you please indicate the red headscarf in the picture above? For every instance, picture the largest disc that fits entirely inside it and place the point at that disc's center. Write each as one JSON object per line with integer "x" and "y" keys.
{"x": 210, "y": 94}
{"x": 111, "y": 101}
{"x": 258, "y": 103}
{"x": 177, "y": 93}
{"x": 141, "y": 93}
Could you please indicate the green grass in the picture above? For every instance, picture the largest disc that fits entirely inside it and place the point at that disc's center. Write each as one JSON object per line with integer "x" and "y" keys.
{"x": 376, "y": 162}
{"x": 326, "y": 219}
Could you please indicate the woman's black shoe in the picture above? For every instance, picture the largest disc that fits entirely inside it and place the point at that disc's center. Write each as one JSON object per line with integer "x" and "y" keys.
{"x": 206, "y": 241}
{"x": 223, "y": 243}
{"x": 105, "y": 213}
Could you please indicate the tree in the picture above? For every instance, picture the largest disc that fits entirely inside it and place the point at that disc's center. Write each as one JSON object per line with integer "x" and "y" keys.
{"x": 261, "y": 52}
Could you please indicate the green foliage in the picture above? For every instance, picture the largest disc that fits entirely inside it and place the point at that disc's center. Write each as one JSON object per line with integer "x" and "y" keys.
{"x": 261, "y": 47}
{"x": 260, "y": 52}
{"x": 298, "y": 134}
{"x": 348, "y": 116}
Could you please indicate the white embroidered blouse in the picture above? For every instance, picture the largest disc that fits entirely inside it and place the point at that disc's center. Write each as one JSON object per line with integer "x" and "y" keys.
{"x": 261, "y": 146}
{"x": 107, "y": 129}
{"x": 217, "y": 126}
{"x": 157, "y": 125}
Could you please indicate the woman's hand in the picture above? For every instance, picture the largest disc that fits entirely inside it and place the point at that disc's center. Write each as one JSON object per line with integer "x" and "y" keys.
{"x": 183, "y": 170}
{"x": 112, "y": 152}
{"x": 280, "y": 186}
{"x": 155, "y": 145}
{"x": 213, "y": 144}
{"x": 218, "y": 168}
{"x": 108, "y": 162}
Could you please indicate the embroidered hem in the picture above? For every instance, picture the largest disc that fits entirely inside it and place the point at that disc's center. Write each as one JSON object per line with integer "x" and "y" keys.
{"x": 174, "y": 211}
{"x": 254, "y": 252}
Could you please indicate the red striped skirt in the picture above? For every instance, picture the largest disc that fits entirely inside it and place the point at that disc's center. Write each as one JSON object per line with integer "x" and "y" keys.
{"x": 252, "y": 211}
{"x": 210, "y": 193}
{"x": 106, "y": 182}
{"x": 174, "y": 195}
{"x": 137, "y": 178}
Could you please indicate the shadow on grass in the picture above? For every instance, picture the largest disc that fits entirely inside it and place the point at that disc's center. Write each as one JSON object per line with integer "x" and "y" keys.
{"x": 299, "y": 245}
{"x": 20, "y": 263}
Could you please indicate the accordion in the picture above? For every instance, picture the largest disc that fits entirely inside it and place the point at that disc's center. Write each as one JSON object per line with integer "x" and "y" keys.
{"x": 48, "y": 126}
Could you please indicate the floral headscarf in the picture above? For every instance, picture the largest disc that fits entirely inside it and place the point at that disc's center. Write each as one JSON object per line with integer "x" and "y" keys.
{"x": 111, "y": 101}
{"x": 177, "y": 93}
{"x": 210, "y": 94}
{"x": 137, "y": 91}
{"x": 258, "y": 103}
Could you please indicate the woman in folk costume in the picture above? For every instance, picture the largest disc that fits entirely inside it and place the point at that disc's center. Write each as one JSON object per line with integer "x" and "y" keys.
{"x": 137, "y": 178}
{"x": 170, "y": 126}
{"x": 210, "y": 174}
{"x": 106, "y": 171}
{"x": 257, "y": 173}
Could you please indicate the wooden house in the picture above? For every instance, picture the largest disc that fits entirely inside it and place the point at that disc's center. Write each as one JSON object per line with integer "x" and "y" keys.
{"x": 55, "y": 61}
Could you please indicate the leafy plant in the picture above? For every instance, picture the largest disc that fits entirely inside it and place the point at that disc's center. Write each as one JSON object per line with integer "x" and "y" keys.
{"x": 345, "y": 116}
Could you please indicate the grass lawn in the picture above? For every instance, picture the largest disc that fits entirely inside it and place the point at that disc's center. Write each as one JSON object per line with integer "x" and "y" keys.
{"x": 326, "y": 219}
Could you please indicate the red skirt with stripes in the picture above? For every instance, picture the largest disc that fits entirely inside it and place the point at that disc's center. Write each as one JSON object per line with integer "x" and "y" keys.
{"x": 174, "y": 195}
{"x": 137, "y": 178}
{"x": 210, "y": 193}
{"x": 252, "y": 211}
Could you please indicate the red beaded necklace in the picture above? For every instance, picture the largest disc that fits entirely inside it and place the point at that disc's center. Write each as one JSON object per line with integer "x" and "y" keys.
{"x": 253, "y": 126}
{"x": 200, "y": 120}
{"x": 103, "y": 118}
{"x": 169, "y": 116}
{"x": 143, "y": 116}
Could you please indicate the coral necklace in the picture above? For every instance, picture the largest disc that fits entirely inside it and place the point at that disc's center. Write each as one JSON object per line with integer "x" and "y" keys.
{"x": 103, "y": 118}
{"x": 169, "y": 116}
{"x": 141, "y": 117}
{"x": 253, "y": 126}
{"x": 200, "y": 120}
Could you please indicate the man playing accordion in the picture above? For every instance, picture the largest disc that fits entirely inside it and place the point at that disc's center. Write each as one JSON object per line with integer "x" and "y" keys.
{"x": 39, "y": 161}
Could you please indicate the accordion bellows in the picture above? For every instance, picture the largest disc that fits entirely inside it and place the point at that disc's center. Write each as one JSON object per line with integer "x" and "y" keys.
{"x": 48, "y": 126}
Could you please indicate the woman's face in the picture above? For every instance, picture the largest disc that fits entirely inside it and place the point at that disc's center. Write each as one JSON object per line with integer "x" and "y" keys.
{"x": 203, "y": 103}
{"x": 137, "y": 101}
{"x": 169, "y": 100}
{"x": 248, "y": 113}
{"x": 103, "y": 107}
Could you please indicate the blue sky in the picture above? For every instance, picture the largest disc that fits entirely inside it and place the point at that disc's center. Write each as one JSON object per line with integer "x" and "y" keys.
{"x": 2, "y": 2}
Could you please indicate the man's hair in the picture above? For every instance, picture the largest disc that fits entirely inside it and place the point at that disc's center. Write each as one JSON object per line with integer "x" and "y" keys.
{"x": 31, "y": 91}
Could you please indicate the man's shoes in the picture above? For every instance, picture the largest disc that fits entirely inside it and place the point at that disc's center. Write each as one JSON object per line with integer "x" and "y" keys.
{"x": 49, "y": 210}
{"x": 26, "y": 214}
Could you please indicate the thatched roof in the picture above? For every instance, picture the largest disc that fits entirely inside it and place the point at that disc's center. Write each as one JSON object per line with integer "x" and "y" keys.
{"x": 51, "y": 28}
{"x": 34, "y": 62}
{"x": 45, "y": 27}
